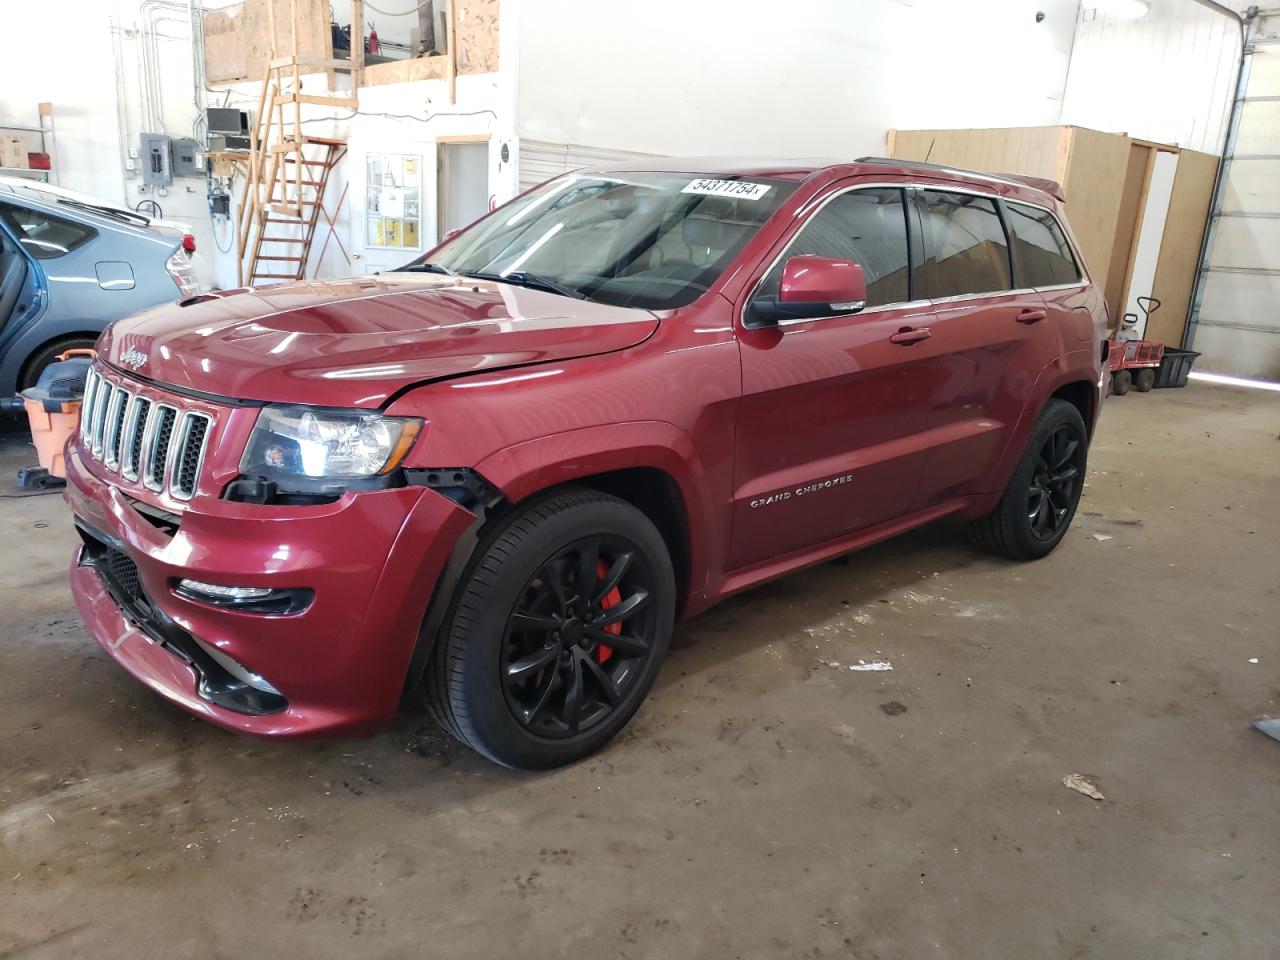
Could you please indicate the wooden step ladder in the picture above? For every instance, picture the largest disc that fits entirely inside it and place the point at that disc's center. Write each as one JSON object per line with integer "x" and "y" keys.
{"x": 282, "y": 239}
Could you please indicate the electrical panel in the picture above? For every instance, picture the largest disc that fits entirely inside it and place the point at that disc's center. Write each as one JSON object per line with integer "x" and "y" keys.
{"x": 188, "y": 158}
{"x": 157, "y": 164}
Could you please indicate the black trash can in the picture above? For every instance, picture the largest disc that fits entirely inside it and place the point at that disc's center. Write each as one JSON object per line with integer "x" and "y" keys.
{"x": 1174, "y": 367}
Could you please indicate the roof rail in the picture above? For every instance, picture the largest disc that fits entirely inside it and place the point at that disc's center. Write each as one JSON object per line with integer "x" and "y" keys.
{"x": 1051, "y": 187}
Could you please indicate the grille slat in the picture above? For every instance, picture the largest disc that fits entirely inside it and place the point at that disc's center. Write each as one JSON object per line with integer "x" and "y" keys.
{"x": 158, "y": 450}
{"x": 190, "y": 455}
{"x": 101, "y": 400}
{"x": 115, "y": 424}
{"x": 134, "y": 434}
{"x": 143, "y": 438}
{"x": 86, "y": 408}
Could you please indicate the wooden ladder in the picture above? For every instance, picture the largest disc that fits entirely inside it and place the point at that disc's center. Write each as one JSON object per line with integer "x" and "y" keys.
{"x": 282, "y": 239}
{"x": 285, "y": 182}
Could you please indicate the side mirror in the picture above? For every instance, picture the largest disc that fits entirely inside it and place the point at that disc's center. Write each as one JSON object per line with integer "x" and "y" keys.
{"x": 813, "y": 287}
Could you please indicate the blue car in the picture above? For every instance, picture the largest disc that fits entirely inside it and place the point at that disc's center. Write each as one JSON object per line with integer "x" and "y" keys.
{"x": 69, "y": 266}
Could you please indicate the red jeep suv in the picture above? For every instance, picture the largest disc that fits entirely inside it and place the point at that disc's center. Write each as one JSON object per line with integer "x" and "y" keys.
{"x": 496, "y": 476}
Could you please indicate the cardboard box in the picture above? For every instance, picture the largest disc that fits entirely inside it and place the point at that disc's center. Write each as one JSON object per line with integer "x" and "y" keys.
{"x": 13, "y": 151}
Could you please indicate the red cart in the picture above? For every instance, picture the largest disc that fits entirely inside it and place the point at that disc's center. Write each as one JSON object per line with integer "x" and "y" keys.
{"x": 1133, "y": 363}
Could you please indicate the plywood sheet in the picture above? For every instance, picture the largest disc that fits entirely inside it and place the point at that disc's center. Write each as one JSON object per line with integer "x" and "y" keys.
{"x": 1094, "y": 185}
{"x": 477, "y": 49}
{"x": 1030, "y": 151}
{"x": 1180, "y": 254}
{"x": 238, "y": 42}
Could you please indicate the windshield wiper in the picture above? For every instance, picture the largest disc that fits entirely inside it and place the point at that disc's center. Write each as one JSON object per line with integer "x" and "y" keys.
{"x": 425, "y": 268}
{"x": 522, "y": 278}
{"x": 113, "y": 212}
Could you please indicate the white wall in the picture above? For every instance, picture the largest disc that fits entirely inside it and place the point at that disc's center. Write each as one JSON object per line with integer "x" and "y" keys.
{"x": 1168, "y": 76}
{"x": 84, "y": 56}
{"x": 811, "y": 78}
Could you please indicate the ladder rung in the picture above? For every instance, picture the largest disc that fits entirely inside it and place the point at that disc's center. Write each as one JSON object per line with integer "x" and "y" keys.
{"x": 274, "y": 276}
{"x": 283, "y": 240}
{"x": 305, "y": 203}
{"x": 293, "y": 259}
{"x": 314, "y": 163}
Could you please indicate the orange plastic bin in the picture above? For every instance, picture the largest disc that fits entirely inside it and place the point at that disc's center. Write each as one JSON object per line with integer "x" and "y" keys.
{"x": 53, "y": 410}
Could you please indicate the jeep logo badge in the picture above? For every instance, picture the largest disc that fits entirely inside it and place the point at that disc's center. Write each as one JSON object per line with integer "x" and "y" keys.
{"x": 133, "y": 358}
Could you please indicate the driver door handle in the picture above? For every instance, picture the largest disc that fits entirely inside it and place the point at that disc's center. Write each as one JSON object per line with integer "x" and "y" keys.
{"x": 1030, "y": 315}
{"x": 907, "y": 335}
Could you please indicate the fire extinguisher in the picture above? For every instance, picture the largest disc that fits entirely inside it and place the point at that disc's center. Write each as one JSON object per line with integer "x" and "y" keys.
{"x": 372, "y": 46}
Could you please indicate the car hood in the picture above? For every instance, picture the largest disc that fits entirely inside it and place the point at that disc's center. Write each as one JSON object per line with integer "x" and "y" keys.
{"x": 355, "y": 343}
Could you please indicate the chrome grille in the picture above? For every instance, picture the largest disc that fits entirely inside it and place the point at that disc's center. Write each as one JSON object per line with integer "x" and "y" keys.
{"x": 143, "y": 438}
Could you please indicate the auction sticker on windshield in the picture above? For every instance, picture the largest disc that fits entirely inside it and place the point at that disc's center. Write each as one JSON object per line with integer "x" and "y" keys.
{"x": 728, "y": 188}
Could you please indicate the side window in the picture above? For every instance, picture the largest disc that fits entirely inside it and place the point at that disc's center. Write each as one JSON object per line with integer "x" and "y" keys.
{"x": 964, "y": 246}
{"x": 43, "y": 235}
{"x": 866, "y": 226}
{"x": 1040, "y": 248}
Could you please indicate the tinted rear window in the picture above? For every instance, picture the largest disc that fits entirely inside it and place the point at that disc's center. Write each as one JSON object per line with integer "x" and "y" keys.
{"x": 1040, "y": 248}
{"x": 43, "y": 235}
{"x": 965, "y": 247}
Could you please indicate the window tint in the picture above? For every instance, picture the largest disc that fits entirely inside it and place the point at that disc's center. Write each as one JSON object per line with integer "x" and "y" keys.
{"x": 965, "y": 247}
{"x": 42, "y": 235}
{"x": 1040, "y": 249}
{"x": 866, "y": 226}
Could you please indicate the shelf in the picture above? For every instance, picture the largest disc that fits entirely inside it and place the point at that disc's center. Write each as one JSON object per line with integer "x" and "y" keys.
{"x": 10, "y": 126}
{"x": 26, "y": 171}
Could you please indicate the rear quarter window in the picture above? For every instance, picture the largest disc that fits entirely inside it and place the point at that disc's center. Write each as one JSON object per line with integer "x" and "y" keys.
{"x": 1040, "y": 248}
{"x": 43, "y": 235}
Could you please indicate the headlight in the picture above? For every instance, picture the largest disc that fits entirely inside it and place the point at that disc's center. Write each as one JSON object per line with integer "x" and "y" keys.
{"x": 326, "y": 444}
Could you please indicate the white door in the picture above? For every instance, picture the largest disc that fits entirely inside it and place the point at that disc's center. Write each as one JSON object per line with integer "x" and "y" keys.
{"x": 463, "y": 184}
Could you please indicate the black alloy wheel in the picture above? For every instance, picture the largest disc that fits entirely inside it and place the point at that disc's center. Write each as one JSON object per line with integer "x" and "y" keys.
{"x": 580, "y": 635}
{"x": 1040, "y": 499}
{"x": 556, "y": 630}
{"x": 1054, "y": 483}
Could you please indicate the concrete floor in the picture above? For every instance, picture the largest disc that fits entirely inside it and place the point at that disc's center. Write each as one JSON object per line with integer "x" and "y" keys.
{"x": 763, "y": 803}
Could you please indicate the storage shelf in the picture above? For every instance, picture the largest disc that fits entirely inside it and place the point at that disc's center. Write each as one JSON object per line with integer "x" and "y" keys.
{"x": 25, "y": 171}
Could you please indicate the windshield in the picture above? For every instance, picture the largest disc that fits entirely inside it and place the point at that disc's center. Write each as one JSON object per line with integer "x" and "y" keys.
{"x": 650, "y": 240}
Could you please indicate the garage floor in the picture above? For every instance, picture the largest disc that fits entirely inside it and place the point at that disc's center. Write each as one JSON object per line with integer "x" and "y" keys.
{"x": 764, "y": 803}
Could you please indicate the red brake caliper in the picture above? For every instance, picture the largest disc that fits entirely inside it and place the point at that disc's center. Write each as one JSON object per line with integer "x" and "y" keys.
{"x": 612, "y": 598}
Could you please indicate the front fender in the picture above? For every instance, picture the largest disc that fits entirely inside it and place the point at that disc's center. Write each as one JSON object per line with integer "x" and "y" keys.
{"x": 530, "y": 466}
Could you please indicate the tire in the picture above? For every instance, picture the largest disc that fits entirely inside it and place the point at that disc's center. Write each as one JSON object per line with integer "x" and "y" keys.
{"x": 489, "y": 681}
{"x": 1121, "y": 381}
{"x": 1044, "y": 489}
{"x": 46, "y": 355}
{"x": 1144, "y": 380}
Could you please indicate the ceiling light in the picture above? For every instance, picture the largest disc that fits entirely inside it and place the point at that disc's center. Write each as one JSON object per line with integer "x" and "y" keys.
{"x": 1123, "y": 9}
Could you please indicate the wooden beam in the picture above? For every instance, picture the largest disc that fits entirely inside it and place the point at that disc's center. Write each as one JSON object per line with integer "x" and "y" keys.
{"x": 453, "y": 51}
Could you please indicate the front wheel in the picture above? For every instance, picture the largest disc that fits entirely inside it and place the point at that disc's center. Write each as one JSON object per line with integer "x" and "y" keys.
{"x": 1145, "y": 380}
{"x": 1044, "y": 491}
{"x": 1121, "y": 381}
{"x": 556, "y": 632}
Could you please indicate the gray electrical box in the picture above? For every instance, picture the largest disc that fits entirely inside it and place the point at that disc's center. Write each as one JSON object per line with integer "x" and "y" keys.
{"x": 188, "y": 158}
{"x": 157, "y": 165}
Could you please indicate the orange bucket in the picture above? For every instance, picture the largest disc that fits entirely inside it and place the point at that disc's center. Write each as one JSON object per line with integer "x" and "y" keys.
{"x": 53, "y": 419}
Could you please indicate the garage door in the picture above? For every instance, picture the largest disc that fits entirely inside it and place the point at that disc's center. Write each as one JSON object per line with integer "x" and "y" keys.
{"x": 1237, "y": 325}
{"x": 541, "y": 161}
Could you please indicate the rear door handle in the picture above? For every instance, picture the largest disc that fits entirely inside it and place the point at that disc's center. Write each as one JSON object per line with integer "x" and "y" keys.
{"x": 907, "y": 336}
{"x": 1030, "y": 315}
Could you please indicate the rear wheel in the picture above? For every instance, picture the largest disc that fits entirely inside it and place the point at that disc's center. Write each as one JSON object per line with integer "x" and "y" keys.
{"x": 48, "y": 354}
{"x": 1121, "y": 381}
{"x": 1044, "y": 491}
{"x": 1144, "y": 380}
{"x": 556, "y": 632}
